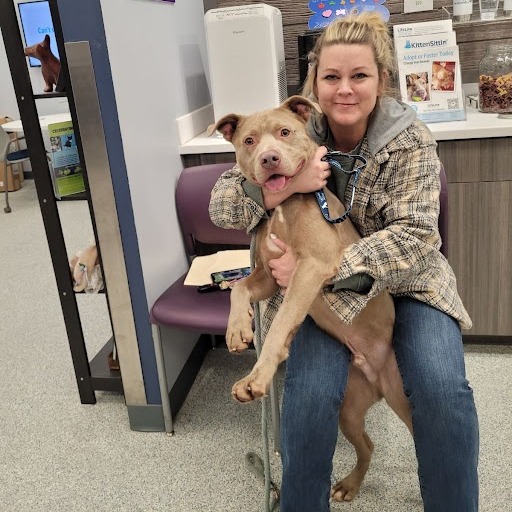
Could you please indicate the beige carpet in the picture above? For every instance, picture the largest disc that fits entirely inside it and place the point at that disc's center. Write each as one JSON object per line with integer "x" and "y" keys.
{"x": 57, "y": 455}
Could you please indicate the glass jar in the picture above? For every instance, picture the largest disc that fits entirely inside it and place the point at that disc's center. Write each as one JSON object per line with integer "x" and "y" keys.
{"x": 495, "y": 80}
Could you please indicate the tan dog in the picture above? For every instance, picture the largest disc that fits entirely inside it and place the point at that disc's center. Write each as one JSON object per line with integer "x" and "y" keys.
{"x": 271, "y": 148}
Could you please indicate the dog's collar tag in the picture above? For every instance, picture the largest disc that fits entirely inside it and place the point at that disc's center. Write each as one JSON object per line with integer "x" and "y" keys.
{"x": 334, "y": 157}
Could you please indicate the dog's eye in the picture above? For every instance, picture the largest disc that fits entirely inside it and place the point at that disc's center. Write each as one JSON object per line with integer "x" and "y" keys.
{"x": 285, "y": 132}
{"x": 249, "y": 141}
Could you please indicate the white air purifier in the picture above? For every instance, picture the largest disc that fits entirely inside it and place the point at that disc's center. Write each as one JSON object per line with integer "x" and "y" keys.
{"x": 246, "y": 58}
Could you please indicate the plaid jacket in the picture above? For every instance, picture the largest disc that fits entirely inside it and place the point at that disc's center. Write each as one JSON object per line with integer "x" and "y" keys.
{"x": 396, "y": 209}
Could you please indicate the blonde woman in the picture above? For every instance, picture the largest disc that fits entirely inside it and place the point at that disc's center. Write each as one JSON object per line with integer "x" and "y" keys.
{"x": 396, "y": 210}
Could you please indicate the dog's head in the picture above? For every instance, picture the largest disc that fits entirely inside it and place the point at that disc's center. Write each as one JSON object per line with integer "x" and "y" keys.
{"x": 39, "y": 50}
{"x": 271, "y": 146}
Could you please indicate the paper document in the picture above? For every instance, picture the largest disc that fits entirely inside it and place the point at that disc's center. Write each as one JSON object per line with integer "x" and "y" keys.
{"x": 202, "y": 266}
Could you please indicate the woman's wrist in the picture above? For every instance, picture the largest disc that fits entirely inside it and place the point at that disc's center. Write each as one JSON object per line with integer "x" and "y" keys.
{"x": 273, "y": 199}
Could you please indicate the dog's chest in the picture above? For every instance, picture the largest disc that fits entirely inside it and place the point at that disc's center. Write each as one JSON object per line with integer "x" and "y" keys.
{"x": 298, "y": 222}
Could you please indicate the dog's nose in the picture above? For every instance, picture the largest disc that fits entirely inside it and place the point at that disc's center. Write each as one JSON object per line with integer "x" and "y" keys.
{"x": 270, "y": 159}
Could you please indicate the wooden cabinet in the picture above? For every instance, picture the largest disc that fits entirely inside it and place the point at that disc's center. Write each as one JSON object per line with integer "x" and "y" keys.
{"x": 479, "y": 174}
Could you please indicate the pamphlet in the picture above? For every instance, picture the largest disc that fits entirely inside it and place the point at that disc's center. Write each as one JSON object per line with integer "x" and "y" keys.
{"x": 67, "y": 172}
{"x": 429, "y": 70}
{"x": 203, "y": 266}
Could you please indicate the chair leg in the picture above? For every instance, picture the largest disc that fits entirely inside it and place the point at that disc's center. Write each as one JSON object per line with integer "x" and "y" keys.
{"x": 162, "y": 380}
{"x": 276, "y": 419}
{"x": 7, "y": 208}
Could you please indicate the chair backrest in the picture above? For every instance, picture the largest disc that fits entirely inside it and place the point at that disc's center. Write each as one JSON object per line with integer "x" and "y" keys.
{"x": 192, "y": 199}
{"x": 443, "y": 213}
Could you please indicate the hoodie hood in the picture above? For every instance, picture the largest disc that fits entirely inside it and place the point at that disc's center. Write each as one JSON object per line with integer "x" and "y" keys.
{"x": 389, "y": 118}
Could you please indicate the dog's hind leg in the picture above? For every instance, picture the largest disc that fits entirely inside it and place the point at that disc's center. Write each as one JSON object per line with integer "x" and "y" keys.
{"x": 360, "y": 395}
{"x": 392, "y": 388}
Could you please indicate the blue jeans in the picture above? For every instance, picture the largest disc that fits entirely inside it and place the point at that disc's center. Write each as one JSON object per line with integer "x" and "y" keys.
{"x": 428, "y": 348}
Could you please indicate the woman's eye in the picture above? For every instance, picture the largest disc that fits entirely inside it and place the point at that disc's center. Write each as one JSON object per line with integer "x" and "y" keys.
{"x": 249, "y": 141}
{"x": 285, "y": 132}
{"x": 360, "y": 76}
{"x": 330, "y": 77}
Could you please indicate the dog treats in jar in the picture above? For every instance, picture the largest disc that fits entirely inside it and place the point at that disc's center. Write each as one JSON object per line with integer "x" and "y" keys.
{"x": 495, "y": 80}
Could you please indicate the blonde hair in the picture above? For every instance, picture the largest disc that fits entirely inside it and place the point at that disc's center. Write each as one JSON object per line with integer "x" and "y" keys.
{"x": 366, "y": 28}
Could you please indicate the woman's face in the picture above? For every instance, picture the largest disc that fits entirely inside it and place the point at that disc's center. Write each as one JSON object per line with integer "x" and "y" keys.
{"x": 347, "y": 86}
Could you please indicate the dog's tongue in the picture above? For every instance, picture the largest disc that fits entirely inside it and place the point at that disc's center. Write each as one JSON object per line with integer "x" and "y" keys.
{"x": 275, "y": 182}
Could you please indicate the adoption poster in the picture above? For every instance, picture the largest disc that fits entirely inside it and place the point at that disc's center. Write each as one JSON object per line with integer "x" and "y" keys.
{"x": 430, "y": 82}
{"x": 429, "y": 70}
{"x": 67, "y": 172}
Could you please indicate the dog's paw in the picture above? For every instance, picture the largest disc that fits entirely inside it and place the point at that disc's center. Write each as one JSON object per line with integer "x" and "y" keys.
{"x": 239, "y": 333}
{"x": 250, "y": 388}
{"x": 346, "y": 489}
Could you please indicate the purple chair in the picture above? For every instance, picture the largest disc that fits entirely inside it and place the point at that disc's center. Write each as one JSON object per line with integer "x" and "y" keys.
{"x": 181, "y": 306}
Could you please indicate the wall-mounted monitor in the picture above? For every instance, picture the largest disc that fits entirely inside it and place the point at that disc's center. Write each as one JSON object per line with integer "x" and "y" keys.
{"x": 36, "y": 22}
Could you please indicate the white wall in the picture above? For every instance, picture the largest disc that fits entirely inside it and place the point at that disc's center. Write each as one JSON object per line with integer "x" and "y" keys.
{"x": 157, "y": 53}
{"x": 8, "y": 105}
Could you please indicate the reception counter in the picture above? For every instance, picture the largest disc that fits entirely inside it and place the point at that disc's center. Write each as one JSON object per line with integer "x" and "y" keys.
{"x": 477, "y": 155}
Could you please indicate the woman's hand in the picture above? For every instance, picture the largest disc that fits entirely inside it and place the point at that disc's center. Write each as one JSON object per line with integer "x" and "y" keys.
{"x": 284, "y": 266}
{"x": 311, "y": 178}
{"x": 314, "y": 175}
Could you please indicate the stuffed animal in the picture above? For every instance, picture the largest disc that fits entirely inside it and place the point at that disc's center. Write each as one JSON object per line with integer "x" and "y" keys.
{"x": 85, "y": 270}
{"x": 50, "y": 65}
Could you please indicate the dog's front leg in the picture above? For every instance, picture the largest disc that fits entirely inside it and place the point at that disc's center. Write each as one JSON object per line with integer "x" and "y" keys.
{"x": 305, "y": 285}
{"x": 257, "y": 286}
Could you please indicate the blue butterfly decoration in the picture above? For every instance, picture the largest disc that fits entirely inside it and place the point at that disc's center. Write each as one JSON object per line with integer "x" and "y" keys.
{"x": 326, "y": 11}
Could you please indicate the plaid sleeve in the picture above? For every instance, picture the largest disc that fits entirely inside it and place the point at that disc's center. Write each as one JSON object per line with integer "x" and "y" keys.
{"x": 230, "y": 206}
{"x": 399, "y": 252}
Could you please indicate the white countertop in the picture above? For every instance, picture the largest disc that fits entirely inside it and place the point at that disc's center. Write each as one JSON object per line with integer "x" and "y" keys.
{"x": 477, "y": 126}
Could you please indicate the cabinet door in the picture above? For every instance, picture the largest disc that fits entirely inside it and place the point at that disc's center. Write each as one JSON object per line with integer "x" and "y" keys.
{"x": 480, "y": 248}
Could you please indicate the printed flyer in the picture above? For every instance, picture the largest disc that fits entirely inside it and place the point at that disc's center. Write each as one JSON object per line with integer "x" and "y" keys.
{"x": 429, "y": 71}
{"x": 67, "y": 174}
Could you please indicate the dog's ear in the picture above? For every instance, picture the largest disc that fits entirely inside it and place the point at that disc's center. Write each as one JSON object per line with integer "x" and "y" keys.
{"x": 301, "y": 106}
{"x": 227, "y": 126}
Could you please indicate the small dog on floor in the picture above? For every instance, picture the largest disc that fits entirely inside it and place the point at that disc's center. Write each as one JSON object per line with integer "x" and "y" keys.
{"x": 272, "y": 147}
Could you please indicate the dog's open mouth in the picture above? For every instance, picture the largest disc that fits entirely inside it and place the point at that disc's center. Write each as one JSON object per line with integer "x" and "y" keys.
{"x": 276, "y": 182}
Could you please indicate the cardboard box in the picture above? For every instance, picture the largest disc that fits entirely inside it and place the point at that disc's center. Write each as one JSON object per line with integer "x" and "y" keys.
{"x": 14, "y": 178}
{"x": 15, "y": 175}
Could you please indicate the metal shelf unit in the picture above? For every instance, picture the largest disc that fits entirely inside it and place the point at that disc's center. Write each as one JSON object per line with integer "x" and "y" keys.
{"x": 94, "y": 375}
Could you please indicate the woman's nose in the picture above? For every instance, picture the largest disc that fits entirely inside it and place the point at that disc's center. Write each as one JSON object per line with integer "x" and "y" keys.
{"x": 344, "y": 87}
